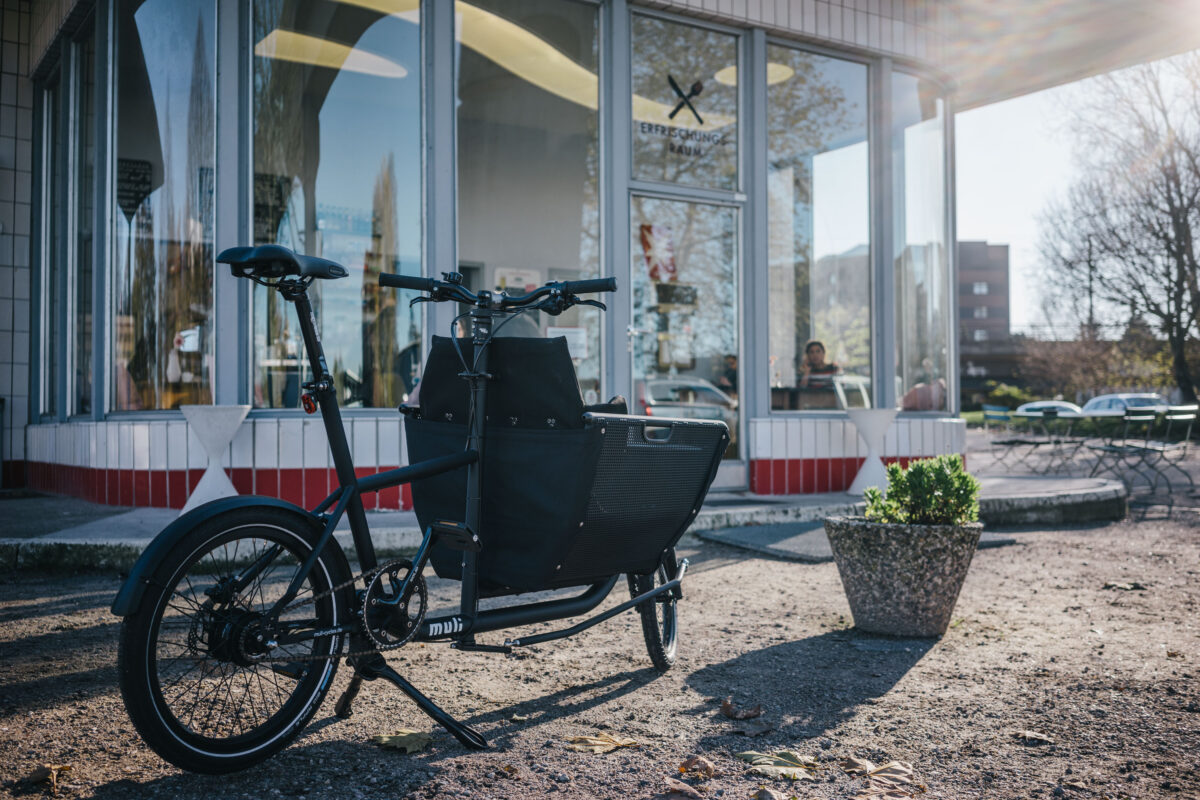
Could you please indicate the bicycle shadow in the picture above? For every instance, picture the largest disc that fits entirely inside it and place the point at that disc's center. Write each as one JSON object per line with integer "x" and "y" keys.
{"x": 808, "y": 686}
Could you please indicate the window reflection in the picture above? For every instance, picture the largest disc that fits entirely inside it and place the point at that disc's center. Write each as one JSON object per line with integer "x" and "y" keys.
{"x": 55, "y": 259}
{"x": 685, "y": 102}
{"x": 528, "y": 203}
{"x": 819, "y": 252}
{"x": 337, "y": 174}
{"x": 685, "y": 299}
{"x": 85, "y": 131}
{"x": 162, "y": 282}
{"x": 922, "y": 279}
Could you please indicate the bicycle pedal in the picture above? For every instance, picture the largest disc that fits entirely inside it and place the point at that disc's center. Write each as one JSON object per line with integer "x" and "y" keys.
{"x": 470, "y": 647}
{"x": 456, "y": 535}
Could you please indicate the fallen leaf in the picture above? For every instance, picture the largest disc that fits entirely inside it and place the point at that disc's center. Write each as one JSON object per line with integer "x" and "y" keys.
{"x": 896, "y": 773}
{"x": 1175, "y": 654}
{"x": 892, "y": 781}
{"x": 856, "y": 766}
{"x": 1032, "y": 737}
{"x": 680, "y": 789}
{"x": 1132, "y": 586}
{"x": 768, "y": 794}
{"x": 48, "y": 773}
{"x": 405, "y": 740}
{"x": 781, "y": 764}
{"x": 604, "y": 743}
{"x": 756, "y": 727}
{"x": 519, "y": 718}
{"x": 733, "y": 712}
{"x": 700, "y": 766}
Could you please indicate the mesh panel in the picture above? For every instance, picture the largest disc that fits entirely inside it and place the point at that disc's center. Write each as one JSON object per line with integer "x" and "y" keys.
{"x": 645, "y": 493}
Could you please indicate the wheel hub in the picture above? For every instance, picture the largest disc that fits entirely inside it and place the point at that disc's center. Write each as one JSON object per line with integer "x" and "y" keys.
{"x": 237, "y": 636}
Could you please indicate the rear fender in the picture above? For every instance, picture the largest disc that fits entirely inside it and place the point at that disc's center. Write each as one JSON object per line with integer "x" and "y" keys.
{"x": 130, "y": 597}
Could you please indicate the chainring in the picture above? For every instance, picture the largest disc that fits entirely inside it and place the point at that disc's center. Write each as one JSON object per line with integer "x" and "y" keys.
{"x": 390, "y": 623}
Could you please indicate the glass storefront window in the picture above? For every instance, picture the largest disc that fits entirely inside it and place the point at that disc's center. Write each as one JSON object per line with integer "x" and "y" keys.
{"x": 919, "y": 227}
{"x": 162, "y": 286}
{"x": 528, "y": 159}
{"x": 337, "y": 173}
{"x": 85, "y": 187}
{"x": 685, "y": 104}
{"x": 55, "y": 262}
{"x": 684, "y": 264}
{"x": 818, "y": 237}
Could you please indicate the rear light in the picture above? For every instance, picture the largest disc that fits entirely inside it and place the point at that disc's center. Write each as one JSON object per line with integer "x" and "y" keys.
{"x": 649, "y": 411}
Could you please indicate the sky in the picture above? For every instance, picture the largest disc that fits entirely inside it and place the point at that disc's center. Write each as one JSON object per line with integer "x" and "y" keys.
{"x": 1012, "y": 159}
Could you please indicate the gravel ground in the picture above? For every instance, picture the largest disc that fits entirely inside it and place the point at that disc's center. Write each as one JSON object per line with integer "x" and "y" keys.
{"x": 1109, "y": 675}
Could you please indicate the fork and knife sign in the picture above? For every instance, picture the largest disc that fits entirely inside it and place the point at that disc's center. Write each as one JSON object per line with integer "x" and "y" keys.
{"x": 686, "y": 99}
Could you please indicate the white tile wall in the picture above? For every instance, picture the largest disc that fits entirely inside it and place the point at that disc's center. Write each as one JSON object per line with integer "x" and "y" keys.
{"x": 266, "y": 443}
{"x": 316, "y": 448}
{"x": 291, "y": 443}
{"x": 910, "y": 28}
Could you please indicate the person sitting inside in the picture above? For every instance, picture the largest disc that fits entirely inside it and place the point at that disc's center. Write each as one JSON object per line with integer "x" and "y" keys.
{"x": 816, "y": 377}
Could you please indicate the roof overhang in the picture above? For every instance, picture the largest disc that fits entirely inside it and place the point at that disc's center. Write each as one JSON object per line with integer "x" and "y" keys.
{"x": 998, "y": 50}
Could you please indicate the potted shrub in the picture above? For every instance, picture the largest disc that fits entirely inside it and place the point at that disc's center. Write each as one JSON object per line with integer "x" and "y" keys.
{"x": 902, "y": 564}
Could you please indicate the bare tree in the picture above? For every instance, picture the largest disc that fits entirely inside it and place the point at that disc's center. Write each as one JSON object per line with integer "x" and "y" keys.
{"x": 1123, "y": 240}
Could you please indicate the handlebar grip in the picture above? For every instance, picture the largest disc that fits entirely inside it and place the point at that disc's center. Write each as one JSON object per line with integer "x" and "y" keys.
{"x": 592, "y": 285}
{"x": 407, "y": 282}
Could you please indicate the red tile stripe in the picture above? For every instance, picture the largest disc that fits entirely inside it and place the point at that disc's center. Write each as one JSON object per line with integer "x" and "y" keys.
{"x": 170, "y": 488}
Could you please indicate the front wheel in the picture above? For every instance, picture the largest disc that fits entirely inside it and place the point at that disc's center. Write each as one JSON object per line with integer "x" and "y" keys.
{"x": 659, "y": 624}
{"x": 210, "y": 684}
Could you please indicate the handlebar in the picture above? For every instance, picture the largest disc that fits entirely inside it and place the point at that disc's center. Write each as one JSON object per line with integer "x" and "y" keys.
{"x": 592, "y": 285}
{"x": 407, "y": 282}
{"x": 562, "y": 291}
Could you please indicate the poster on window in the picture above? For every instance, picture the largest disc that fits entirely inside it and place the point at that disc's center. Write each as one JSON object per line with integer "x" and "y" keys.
{"x": 659, "y": 252}
{"x": 517, "y": 280}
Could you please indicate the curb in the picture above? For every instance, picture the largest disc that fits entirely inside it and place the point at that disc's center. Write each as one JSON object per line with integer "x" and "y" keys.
{"x": 53, "y": 554}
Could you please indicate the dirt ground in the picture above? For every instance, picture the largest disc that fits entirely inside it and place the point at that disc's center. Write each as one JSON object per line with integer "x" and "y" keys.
{"x": 1111, "y": 676}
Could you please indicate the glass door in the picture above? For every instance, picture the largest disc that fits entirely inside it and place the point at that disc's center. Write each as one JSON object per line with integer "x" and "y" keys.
{"x": 685, "y": 325}
{"x": 685, "y": 213}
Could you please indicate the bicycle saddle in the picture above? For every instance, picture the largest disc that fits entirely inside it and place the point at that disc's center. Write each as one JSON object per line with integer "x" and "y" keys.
{"x": 274, "y": 261}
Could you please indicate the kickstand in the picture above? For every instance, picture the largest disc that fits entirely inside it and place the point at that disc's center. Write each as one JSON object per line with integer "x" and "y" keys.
{"x": 372, "y": 666}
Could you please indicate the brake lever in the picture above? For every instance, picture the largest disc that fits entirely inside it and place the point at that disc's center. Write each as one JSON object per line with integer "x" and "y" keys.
{"x": 594, "y": 303}
{"x": 419, "y": 299}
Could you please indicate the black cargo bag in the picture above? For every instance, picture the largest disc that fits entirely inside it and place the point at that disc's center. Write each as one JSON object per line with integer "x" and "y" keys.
{"x": 568, "y": 498}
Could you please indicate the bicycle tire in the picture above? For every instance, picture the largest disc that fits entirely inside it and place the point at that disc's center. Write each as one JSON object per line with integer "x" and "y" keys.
{"x": 660, "y": 624}
{"x": 182, "y": 662}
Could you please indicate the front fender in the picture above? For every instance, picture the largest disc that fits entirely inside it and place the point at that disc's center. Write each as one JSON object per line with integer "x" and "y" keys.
{"x": 130, "y": 597}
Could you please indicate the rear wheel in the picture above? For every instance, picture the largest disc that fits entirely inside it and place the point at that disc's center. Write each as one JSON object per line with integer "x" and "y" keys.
{"x": 659, "y": 623}
{"x": 202, "y": 674}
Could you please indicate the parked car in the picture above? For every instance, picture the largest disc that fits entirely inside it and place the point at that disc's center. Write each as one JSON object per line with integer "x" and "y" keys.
{"x": 692, "y": 398}
{"x": 1041, "y": 405}
{"x": 1117, "y": 403}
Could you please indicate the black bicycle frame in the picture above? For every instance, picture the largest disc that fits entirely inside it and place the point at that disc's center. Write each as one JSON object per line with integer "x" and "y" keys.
{"x": 347, "y": 499}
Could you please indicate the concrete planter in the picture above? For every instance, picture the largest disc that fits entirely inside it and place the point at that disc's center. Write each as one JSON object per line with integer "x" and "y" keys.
{"x": 901, "y": 580}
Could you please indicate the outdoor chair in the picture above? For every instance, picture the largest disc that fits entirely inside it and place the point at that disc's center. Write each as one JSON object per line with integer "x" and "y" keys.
{"x": 1125, "y": 454}
{"x": 997, "y": 424}
{"x": 1063, "y": 443}
{"x": 1010, "y": 448}
{"x": 1165, "y": 453}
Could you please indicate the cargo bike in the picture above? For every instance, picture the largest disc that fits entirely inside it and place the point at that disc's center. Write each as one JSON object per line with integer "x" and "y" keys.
{"x": 236, "y": 616}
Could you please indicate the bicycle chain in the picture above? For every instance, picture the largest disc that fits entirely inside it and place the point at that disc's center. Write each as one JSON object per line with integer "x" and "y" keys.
{"x": 368, "y": 575}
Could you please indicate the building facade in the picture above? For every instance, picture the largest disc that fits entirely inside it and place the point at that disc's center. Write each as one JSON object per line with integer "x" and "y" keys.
{"x": 756, "y": 175}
